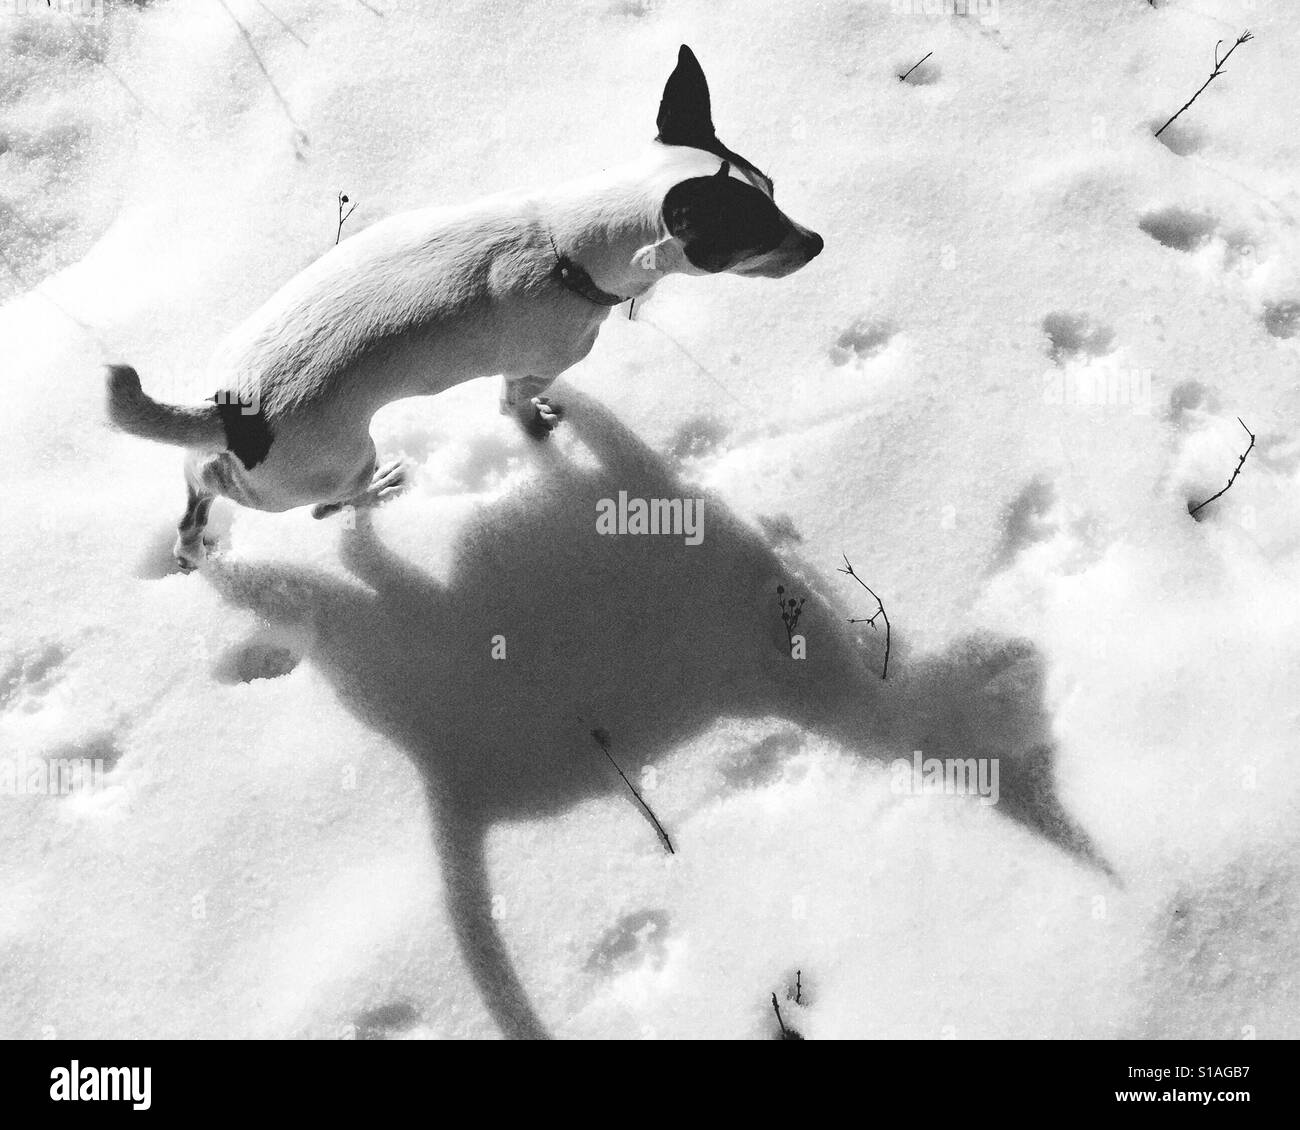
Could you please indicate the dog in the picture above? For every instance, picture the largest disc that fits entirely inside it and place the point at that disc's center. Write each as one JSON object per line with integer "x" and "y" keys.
{"x": 515, "y": 284}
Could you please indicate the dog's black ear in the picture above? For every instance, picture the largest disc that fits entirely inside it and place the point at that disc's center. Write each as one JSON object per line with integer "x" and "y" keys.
{"x": 685, "y": 116}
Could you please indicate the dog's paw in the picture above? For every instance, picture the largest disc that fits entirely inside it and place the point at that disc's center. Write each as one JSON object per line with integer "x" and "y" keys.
{"x": 189, "y": 555}
{"x": 390, "y": 479}
{"x": 543, "y": 418}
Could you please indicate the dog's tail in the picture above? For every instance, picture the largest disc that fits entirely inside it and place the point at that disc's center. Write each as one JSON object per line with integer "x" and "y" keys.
{"x": 133, "y": 410}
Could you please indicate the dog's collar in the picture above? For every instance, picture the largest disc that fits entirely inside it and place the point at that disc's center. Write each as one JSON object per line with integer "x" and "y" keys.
{"x": 573, "y": 276}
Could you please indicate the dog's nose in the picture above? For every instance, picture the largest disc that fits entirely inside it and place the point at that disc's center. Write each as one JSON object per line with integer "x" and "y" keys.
{"x": 815, "y": 245}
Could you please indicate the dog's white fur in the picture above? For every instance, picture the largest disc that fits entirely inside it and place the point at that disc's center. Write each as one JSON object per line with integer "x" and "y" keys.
{"x": 411, "y": 306}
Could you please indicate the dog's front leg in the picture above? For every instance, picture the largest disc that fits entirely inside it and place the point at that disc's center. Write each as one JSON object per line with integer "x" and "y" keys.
{"x": 520, "y": 397}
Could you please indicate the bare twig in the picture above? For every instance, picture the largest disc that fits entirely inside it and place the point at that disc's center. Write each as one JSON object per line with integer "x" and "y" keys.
{"x": 1244, "y": 37}
{"x": 343, "y": 217}
{"x": 26, "y": 285}
{"x": 903, "y": 76}
{"x": 1237, "y": 471}
{"x": 281, "y": 21}
{"x": 798, "y": 985}
{"x": 117, "y": 78}
{"x": 880, "y": 611}
{"x": 786, "y": 1033}
{"x": 693, "y": 360}
{"x": 602, "y": 739}
{"x": 257, "y": 58}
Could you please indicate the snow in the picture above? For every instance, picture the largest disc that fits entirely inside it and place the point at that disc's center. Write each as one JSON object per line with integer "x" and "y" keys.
{"x": 1023, "y": 352}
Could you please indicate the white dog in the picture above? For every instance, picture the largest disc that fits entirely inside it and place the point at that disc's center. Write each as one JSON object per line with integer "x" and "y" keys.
{"x": 514, "y": 284}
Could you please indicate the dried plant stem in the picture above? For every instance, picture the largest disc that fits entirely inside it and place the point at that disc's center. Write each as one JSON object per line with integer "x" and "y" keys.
{"x": 281, "y": 21}
{"x": 343, "y": 216}
{"x": 922, "y": 59}
{"x": 602, "y": 739}
{"x": 880, "y": 611}
{"x": 1236, "y": 471}
{"x": 1244, "y": 37}
{"x": 261, "y": 65}
{"x": 786, "y": 1033}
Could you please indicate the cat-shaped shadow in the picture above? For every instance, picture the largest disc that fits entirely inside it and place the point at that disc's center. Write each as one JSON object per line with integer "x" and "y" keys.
{"x": 645, "y": 638}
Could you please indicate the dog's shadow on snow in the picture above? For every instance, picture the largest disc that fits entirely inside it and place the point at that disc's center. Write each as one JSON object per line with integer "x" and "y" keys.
{"x": 643, "y": 637}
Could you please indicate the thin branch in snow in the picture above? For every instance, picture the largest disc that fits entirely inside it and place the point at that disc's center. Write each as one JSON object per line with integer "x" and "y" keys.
{"x": 281, "y": 21}
{"x": 880, "y": 611}
{"x": 1237, "y": 471}
{"x": 117, "y": 78}
{"x": 343, "y": 217}
{"x": 786, "y": 1033}
{"x": 903, "y": 76}
{"x": 1244, "y": 37}
{"x": 748, "y": 406}
{"x": 257, "y": 58}
{"x": 602, "y": 739}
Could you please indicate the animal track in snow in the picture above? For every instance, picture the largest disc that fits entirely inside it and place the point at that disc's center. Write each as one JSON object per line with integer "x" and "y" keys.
{"x": 1025, "y": 521}
{"x": 779, "y": 529}
{"x": 1188, "y": 231}
{"x": 762, "y": 763}
{"x": 1072, "y": 538}
{"x": 32, "y": 671}
{"x": 1073, "y": 336}
{"x": 919, "y": 74}
{"x": 1282, "y": 319}
{"x": 638, "y": 9}
{"x": 102, "y": 747}
{"x": 1179, "y": 228}
{"x": 864, "y": 339}
{"x": 1188, "y": 398}
{"x": 383, "y": 1022}
{"x": 635, "y": 939}
{"x": 77, "y": 767}
{"x": 1181, "y": 138}
{"x": 700, "y": 435}
{"x": 263, "y": 657}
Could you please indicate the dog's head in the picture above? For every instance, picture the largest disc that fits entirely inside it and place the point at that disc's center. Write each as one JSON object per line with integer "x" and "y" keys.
{"x": 727, "y": 220}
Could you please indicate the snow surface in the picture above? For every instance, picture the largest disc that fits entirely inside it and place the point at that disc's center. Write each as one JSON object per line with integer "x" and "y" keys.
{"x": 326, "y": 812}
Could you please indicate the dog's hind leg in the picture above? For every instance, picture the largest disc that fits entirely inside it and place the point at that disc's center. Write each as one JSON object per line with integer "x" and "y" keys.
{"x": 189, "y": 549}
{"x": 201, "y": 491}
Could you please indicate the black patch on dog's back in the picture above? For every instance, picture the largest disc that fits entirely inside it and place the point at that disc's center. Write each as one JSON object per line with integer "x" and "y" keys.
{"x": 248, "y": 435}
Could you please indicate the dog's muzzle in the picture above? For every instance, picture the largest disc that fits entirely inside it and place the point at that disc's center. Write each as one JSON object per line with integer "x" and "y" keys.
{"x": 797, "y": 250}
